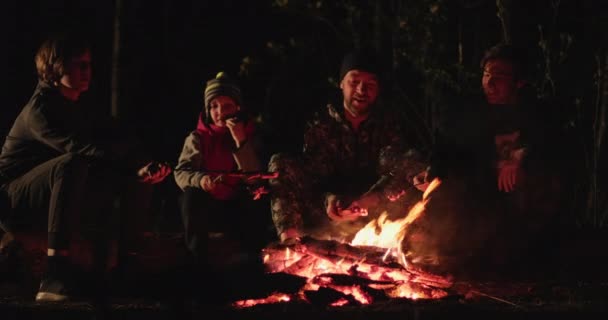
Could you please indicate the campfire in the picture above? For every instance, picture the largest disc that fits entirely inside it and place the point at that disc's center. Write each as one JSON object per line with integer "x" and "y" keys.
{"x": 372, "y": 266}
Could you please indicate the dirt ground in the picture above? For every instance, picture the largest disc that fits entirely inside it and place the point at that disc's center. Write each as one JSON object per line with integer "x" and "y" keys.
{"x": 160, "y": 283}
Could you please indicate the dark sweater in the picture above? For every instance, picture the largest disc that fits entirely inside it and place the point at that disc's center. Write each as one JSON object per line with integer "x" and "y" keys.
{"x": 48, "y": 126}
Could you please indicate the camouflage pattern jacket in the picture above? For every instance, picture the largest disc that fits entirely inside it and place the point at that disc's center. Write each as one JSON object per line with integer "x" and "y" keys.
{"x": 338, "y": 160}
{"x": 346, "y": 162}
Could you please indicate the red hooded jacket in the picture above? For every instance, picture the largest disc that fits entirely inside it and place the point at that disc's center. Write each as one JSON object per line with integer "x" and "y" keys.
{"x": 210, "y": 150}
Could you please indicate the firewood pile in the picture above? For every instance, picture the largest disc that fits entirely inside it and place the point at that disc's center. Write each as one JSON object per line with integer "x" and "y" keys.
{"x": 338, "y": 274}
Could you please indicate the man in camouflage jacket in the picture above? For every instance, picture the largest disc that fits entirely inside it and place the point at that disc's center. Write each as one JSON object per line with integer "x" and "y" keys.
{"x": 353, "y": 161}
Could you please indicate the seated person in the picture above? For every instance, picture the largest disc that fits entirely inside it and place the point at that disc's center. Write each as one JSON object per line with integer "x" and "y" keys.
{"x": 59, "y": 160}
{"x": 497, "y": 160}
{"x": 217, "y": 200}
{"x": 353, "y": 161}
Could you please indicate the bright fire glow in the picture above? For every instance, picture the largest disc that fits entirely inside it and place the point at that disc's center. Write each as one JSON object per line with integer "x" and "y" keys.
{"x": 275, "y": 298}
{"x": 384, "y": 233}
{"x": 380, "y": 233}
{"x": 340, "y": 302}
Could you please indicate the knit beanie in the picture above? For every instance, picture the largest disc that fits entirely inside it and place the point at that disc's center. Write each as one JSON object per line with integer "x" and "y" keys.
{"x": 221, "y": 85}
{"x": 363, "y": 59}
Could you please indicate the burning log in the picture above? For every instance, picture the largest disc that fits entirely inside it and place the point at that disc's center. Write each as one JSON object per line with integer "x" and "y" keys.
{"x": 358, "y": 271}
{"x": 339, "y": 250}
{"x": 365, "y": 259}
{"x": 348, "y": 280}
{"x": 373, "y": 267}
{"x": 329, "y": 296}
{"x": 301, "y": 265}
{"x": 285, "y": 282}
{"x": 371, "y": 289}
{"x": 429, "y": 278}
{"x": 328, "y": 249}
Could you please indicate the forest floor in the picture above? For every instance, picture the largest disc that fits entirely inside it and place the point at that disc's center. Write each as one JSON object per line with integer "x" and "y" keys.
{"x": 159, "y": 284}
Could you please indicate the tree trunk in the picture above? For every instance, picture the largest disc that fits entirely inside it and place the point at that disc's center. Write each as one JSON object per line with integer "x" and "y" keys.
{"x": 116, "y": 51}
{"x": 504, "y": 13}
{"x": 600, "y": 132}
{"x": 603, "y": 109}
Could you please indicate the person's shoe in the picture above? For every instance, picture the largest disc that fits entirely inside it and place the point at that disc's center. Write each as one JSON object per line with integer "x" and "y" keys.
{"x": 58, "y": 281}
{"x": 52, "y": 290}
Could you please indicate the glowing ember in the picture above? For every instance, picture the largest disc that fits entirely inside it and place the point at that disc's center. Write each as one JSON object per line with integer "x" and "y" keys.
{"x": 275, "y": 298}
{"x": 353, "y": 269}
{"x": 340, "y": 302}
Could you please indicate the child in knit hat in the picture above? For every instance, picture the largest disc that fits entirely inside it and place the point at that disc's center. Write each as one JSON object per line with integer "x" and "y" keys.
{"x": 214, "y": 202}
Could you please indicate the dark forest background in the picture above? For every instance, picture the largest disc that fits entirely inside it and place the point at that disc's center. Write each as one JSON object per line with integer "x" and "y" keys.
{"x": 152, "y": 59}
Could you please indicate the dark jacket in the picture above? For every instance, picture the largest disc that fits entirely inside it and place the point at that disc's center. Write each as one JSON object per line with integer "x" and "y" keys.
{"x": 465, "y": 141}
{"x": 470, "y": 145}
{"x": 464, "y": 145}
{"x": 48, "y": 126}
{"x": 468, "y": 214}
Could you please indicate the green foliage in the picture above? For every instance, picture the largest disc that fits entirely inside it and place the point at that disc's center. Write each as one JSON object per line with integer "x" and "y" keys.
{"x": 411, "y": 36}
{"x": 586, "y": 117}
{"x": 425, "y": 46}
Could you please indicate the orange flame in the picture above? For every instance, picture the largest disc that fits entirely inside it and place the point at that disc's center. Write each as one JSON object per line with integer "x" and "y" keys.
{"x": 382, "y": 233}
{"x": 389, "y": 234}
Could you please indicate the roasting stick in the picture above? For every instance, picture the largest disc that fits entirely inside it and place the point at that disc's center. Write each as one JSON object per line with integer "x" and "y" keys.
{"x": 496, "y": 298}
{"x": 235, "y": 174}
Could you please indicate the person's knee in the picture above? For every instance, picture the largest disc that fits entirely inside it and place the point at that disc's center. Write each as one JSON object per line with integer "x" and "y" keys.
{"x": 73, "y": 164}
{"x": 191, "y": 194}
{"x": 191, "y": 201}
{"x": 290, "y": 170}
{"x": 281, "y": 162}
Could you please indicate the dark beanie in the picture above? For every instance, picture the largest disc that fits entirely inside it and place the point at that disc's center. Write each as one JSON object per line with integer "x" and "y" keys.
{"x": 364, "y": 60}
{"x": 221, "y": 85}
